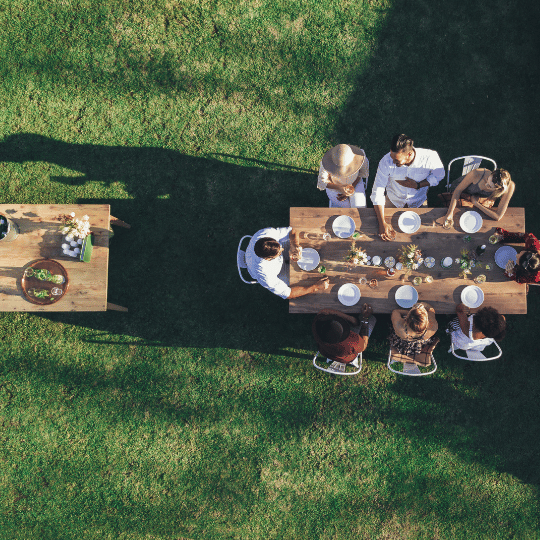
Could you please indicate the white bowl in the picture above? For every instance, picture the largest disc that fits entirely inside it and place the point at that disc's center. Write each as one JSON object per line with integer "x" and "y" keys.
{"x": 310, "y": 259}
{"x": 470, "y": 221}
{"x": 343, "y": 226}
{"x": 472, "y": 296}
{"x": 406, "y": 296}
{"x": 349, "y": 294}
{"x": 409, "y": 222}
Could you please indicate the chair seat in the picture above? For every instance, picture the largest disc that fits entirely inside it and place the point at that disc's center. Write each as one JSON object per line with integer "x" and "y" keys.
{"x": 422, "y": 359}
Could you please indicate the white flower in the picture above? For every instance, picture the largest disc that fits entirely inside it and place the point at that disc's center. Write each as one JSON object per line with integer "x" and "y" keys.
{"x": 472, "y": 264}
{"x": 355, "y": 261}
{"x": 420, "y": 260}
{"x": 410, "y": 255}
{"x": 86, "y": 218}
{"x": 72, "y": 214}
{"x": 415, "y": 266}
{"x": 458, "y": 260}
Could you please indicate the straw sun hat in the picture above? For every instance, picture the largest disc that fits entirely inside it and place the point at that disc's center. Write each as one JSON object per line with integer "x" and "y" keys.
{"x": 343, "y": 159}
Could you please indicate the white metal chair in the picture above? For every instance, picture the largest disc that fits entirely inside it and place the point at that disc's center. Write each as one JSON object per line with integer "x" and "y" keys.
{"x": 469, "y": 164}
{"x": 241, "y": 261}
{"x": 475, "y": 356}
{"x": 411, "y": 368}
{"x": 339, "y": 368}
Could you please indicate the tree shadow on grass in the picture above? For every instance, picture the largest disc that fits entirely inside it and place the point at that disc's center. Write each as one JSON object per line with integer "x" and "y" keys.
{"x": 175, "y": 269}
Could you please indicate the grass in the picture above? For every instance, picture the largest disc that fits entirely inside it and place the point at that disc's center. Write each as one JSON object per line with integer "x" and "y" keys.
{"x": 198, "y": 415}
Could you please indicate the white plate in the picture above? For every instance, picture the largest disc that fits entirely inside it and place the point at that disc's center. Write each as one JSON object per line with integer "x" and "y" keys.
{"x": 376, "y": 260}
{"x": 504, "y": 254}
{"x": 310, "y": 259}
{"x": 409, "y": 222}
{"x": 470, "y": 221}
{"x": 348, "y": 294}
{"x": 406, "y": 296}
{"x": 343, "y": 226}
{"x": 472, "y": 296}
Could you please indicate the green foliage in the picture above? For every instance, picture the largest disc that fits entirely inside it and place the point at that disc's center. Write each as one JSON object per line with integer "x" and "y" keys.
{"x": 198, "y": 414}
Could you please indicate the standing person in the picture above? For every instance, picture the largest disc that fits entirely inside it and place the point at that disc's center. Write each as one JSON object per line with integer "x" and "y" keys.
{"x": 340, "y": 174}
{"x": 342, "y": 337}
{"x": 475, "y": 329}
{"x": 405, "y": 175}
{"x": 414, "y": 329}
{"x": 527, "y": 267}
{"x": 267, "y": 260}
{"x": 483, "y": 188}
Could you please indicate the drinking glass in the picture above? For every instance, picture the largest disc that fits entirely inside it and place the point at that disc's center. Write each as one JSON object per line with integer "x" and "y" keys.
{"x": 495, "y": 238}
{"x": 326, "y": 236}
{"x": 429, "y": 279}
{"x": 362, "y": 281}
{"x": 447, "y": 224}
{"x": 417, "y": 280}
{"x": 480, "y": 279}
{"x": 373, "y": 283}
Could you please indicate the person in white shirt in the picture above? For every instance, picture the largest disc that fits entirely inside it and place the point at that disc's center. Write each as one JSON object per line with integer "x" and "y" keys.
{"x": 267, "y": 258}
{"x": 340, "y": 174}
{"x": 405, "y": 173}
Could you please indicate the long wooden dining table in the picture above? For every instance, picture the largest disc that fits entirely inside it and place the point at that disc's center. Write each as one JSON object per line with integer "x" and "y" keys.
{"x": 432, "y": 239}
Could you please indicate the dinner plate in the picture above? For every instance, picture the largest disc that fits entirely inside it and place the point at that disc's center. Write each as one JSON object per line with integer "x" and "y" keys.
{"x": 504, "y": 254}
{"x": 406, "y": 296}
{"x": 343, "y": 226}
{"x": 348, "y": 294}
{"x": 472, "y": 296}
{"x": 409, "y": 222}
{"x": 376, "y": 260}
{"x": 310, "y": 259}
{"x": 470, "y": 221}
{"x": 429, "y": 262}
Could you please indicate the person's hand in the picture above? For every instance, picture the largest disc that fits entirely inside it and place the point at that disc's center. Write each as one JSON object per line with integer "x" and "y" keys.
{"x": 446, "y": 221}
{"x": 341, "y": 197}
{"x": 387, "y": 233}
{"x": 322, "y": 284}
{"x": 367, "y": 311}
{"x": 348, "y": 190}
{"x": 408, "y": 183}
{"x": 486, "y": 202}
{"x": 295, "y": 253}
{"x": 466, "y": 197}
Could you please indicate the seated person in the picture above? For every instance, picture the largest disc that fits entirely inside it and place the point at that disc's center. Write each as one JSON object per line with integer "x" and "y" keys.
{"x": 482, "y": 188}
{"x": 403, "y": 178}
{"x": 267, "y": 260}
{"x": 340, "y": 174}
{"x": 475, "y": 329}
{"x": 413, "y": 331}
{"x": 527, "y": 268}
{"x": 342, "y": 337}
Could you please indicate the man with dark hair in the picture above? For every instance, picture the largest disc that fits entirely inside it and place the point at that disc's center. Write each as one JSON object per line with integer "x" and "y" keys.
{"x": 405, "y": 174}
{"x": 267, "y": 258}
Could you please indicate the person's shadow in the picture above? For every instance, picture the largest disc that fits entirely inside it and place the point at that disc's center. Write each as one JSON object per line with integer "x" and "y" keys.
{"x": 175, "y": 269}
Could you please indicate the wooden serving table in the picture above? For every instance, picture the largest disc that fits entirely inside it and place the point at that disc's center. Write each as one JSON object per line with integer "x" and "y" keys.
{"x": 445, "y": 290}
{"x": 40, "y": 237}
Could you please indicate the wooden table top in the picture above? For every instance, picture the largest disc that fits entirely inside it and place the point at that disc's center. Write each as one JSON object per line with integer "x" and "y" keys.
{"x": 40, "y": 237}
{"x": 445, "y": 291}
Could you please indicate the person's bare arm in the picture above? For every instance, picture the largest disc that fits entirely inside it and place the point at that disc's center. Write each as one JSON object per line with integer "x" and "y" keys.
{"x": 498, "y": 212}
{"x": 463, "y": 313}
{"x": 299, "y": 290}
{"x": 386, "y": 230}
{"x": 294, "y": 241}
{"x": 466, "y": 182}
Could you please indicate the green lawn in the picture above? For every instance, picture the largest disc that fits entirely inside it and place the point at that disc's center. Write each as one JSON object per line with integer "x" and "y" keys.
{"x": 197, "y": 415}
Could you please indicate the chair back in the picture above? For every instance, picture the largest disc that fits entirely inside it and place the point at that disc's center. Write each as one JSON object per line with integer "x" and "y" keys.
{"x": 470, "y": 163}
{"x": 474, "y": 356}
{"x": 339, "y": 368}
{"x": 411, "y": 364}
{"x": 241, "y": 261}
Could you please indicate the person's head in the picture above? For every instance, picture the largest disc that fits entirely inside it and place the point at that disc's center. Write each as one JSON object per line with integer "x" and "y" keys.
{"x": 267, "y": 248}
{"x": 499, "y": 182}
{"x": 332, "y": 329}
{"x": 490, "y": 322}
{"x": 417, "y": 319}
{"x": 401, "y": 149}
{"x": 528, "y": 262}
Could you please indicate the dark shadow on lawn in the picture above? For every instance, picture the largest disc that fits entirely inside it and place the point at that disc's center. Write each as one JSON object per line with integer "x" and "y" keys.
{"x": 175, "y": 269}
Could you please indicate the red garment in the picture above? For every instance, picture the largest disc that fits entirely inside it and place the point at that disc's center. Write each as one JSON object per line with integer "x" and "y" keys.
{"x": 531, "y": 244}
{"x": 345, "y": 351}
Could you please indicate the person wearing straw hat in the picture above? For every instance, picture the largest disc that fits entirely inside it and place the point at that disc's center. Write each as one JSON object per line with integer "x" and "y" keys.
{"x": 405, "y": 174}
{"x": 340, "y": 174}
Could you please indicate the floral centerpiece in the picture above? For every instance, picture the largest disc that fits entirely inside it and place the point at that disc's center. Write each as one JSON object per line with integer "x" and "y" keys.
{"x": 466, "y": 261}
{"x": 410, "y": 257}
{"x": 356, "y": 255}
{"x": 74, "y": 227}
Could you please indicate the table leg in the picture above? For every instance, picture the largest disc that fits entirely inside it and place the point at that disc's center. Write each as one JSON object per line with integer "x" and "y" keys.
{"x": 115, "y": 307}
{"x": 119, "y": 223}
